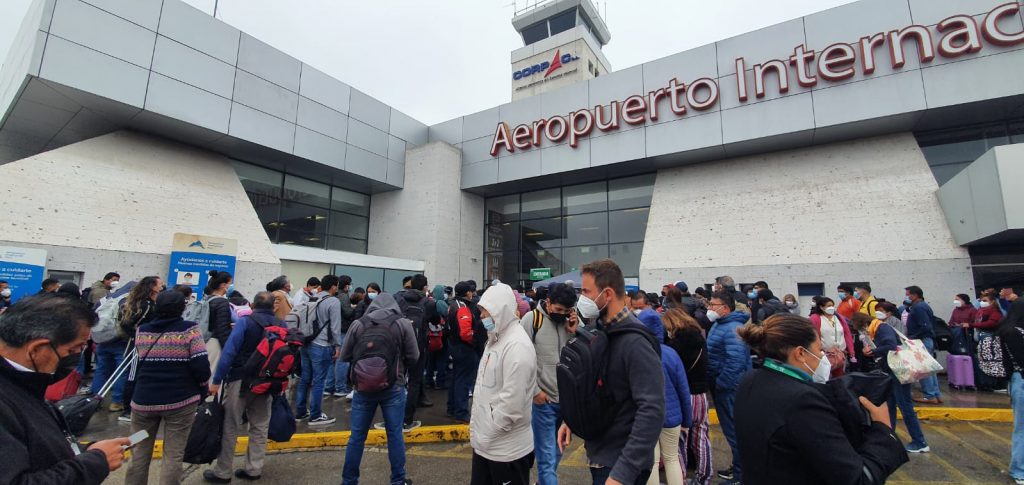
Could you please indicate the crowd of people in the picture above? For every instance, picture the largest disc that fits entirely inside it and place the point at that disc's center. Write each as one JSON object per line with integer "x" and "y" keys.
{"x": 632, "y": 374}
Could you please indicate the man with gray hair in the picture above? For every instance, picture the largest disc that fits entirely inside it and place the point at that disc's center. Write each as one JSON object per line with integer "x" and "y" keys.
{"x": 41, "y": 342}
{"x": 238, "y": 401}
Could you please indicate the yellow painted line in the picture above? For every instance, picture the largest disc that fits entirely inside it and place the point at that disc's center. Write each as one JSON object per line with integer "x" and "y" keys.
{"x": 973, "y": 449}
{"x": 460, "y": 432}
{"x": 992, "y": 435}
{"x": 950, "y": 469}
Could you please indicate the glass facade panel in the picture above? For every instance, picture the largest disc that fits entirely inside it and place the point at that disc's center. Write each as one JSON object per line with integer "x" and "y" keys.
{"x": 502, "y": 237}
{"x": 628, "y": 225}
{"x": 542, "y": 258}
{"x": 950, "y": 151}
{"x": 542, "y": 233}
{"x": 302, "y": 216}
{"x": 631, "y": 192}
{"x": 535, "y": 32}
{"x": 393, "y": 280}
{"x": 563, "y": 21}
{"x": 306, "y": 191}
{"x": 361, "y": 275}
{"x": 575, "y": 257}
{"x": 628, "y": 257}
{"x": 503, "y": 266}
{"x": 542, "y": 203}
{"x": 503, "y": 209}
{"x": 586, "y": 229}
{"x": 580, "y": 199}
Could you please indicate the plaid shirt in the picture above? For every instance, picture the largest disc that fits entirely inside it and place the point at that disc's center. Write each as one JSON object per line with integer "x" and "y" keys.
{"x": 618, "y": 318}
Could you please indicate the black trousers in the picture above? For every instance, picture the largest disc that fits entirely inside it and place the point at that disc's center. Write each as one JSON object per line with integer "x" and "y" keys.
{"x": 415, "y": 387}
{"x": 487, "y": 472}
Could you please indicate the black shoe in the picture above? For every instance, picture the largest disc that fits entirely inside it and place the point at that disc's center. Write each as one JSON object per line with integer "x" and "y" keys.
{"x": 725, "y": 474}
{"x": 425, "y": 403}
{"x": 208, "y": 476}
{"x": 240, "y": 473}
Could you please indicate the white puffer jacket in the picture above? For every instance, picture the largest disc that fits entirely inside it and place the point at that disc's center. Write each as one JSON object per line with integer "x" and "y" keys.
{"x": 500, "y": 429}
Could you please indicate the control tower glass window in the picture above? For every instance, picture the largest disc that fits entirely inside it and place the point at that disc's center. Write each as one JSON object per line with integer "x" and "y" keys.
{"x": 535, "y": 32}
{"x": 563, "y": 21}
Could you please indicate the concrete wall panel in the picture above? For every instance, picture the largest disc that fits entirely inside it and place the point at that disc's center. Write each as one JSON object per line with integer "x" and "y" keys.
{"x": 187, "y": 103}
{"x": 322, "y": 119}
{"x": 324, "y": 89}
{"x": 176, "y": 60}
{"x": 89, "y": 26}
{"x": 270, "y": 98}
{"x": 83, "y": 68}
{"x": 143, "y": 12}
{"x": 370, "y": 111}
{"x": 198, "y": 30}
{"x": 258, "y": 127}
{"x": 317, "y": 147}
{"x": 261, "y": 59}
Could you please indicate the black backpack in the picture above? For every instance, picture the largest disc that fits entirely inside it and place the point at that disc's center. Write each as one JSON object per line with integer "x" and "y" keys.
{"x": 414, "y": 312}
{"x": 204, "y": 438}
{"x": 587, "y": 405}
{"x": 943, "y": 335}
{"x": 375, "y": 356}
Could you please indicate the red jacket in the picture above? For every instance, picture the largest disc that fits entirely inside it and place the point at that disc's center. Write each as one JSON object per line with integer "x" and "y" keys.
{"x": 965, "y": 314}
{"x": 988, "y": 318}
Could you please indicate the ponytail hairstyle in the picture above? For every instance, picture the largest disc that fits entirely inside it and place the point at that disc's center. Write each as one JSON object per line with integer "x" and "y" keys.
{"x": 218, "y": 278}
{"x": 775, "y": 337}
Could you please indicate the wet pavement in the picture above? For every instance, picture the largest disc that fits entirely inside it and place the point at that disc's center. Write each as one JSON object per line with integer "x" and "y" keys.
{"x": 962, "y": 453}
{"x": 105, "y": 425}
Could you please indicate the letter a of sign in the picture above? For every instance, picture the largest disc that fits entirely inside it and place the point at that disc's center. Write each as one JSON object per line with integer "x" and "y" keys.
{"x": 555, "y": 63}
{"x": 502, "y": 138}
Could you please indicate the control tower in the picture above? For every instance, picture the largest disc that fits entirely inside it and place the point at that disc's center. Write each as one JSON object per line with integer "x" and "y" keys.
{"x": 562, "y": 42}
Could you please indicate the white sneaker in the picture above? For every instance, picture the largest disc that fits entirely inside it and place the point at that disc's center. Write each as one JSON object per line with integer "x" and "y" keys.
{"x": 411, "y": 426}
{"x": 327, "y": 394}
{"x": 348, "y": 397}
{"x": 321, "y": 420}
{"x": 1020, "y": 481}
{"x": 379, "y": 425}
{"x": 340, "y": 394}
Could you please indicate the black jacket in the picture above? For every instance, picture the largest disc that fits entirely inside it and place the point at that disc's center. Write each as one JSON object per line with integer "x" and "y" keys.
{"x": 220, "y": 319}
{"x": 35, "y": 446}
{"x": 479, "y": 332}
{"x": 770, "y": 307}
{"x": 145, "y": 314}
{"x": 789, "y": 433}
{"x": 692, "y": 350}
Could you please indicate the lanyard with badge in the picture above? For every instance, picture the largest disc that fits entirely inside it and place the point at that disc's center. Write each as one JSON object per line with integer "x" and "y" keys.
{"x": 771, "y": 364}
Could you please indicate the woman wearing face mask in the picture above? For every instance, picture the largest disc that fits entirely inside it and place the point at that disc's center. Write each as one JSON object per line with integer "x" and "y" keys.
{"x": 788, "y": 430}
{"x": 791, "y": 304}
{"x": 686, "y": 337}
{"x": 960, "y": 323}
{"x": 372, "y": 290}
{"x": 986, "y": 321}
{"x": 885, "y": 340}
{"x": 836, "y": 338}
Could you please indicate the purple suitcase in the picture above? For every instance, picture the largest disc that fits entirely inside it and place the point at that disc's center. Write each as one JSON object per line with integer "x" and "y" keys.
{"x": 960, "y": 371}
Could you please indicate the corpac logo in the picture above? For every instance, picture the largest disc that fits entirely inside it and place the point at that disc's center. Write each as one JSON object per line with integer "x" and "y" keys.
{"x": 546, "y": 67}
{"x": 197, "y": 244}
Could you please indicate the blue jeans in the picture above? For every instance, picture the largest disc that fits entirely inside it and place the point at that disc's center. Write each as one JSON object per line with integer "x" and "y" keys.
{"x": 316, "y": 359}
{"x": 1017, "y": 449}
{"x": 725, "y": 405}
{"x": 108, "y": 357}
{"x": 364, "y": 406}
{"x": 337, "y": 374}
{"x": 930, "y": 384}
{"x": 464, "y": 365}
{"x": 901, "y": 397}
{"x": 546, "y": 420}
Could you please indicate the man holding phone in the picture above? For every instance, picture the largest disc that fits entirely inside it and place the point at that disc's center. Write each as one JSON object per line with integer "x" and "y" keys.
{"x": 41, "y": 342}
{"x": 550, "y": 326}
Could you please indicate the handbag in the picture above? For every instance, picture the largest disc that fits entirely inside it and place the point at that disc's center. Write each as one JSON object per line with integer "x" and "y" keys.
{"x": 204, "y": 439}
{"x": 959, "y": 344}
{"x": 911, "y": 361}
{"x": 282, "y": 420}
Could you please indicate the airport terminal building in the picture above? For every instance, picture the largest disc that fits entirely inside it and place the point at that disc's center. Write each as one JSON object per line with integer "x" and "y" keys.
{"x": 881, "y": 141}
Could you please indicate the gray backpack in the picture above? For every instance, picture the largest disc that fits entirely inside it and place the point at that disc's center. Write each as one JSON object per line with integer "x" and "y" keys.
{"x": 304, "y": 318}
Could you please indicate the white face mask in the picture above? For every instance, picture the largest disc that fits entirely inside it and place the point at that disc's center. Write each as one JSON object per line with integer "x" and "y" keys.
{"x": 821, "y": 373}
{"x": 713, "y": 316}
{"x": 114, "y": 284}
{"x": 637, "y": 312}
{"x": 831, "y": 310}
{"x": 881, "y": 315}
{"x": 587, "y": 308}
{"x": 958, "y": 303}
{"x": 6, "y": 293}
{"x": 984, "y": 304}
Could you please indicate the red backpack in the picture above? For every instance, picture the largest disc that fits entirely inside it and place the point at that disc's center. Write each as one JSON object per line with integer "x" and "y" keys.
{"x": 275, "y": 358}
{"x": 435, "y": 336}
{"x": 464, "y": 323}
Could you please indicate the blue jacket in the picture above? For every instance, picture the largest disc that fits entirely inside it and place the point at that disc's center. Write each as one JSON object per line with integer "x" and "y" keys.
{"x": 244, "y": 338}
{"x": 728, "y": 356}
{"x": 677, "y": 389}
{"x": 919, "y": 323}
{"x": 885, "y": 341}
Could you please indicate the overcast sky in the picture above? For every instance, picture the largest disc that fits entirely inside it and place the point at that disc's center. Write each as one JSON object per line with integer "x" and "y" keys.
{"x": 436, "y": 60}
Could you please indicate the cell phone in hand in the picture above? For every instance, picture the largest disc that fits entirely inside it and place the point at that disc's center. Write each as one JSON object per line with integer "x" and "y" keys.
{"x": 136, "y": 439}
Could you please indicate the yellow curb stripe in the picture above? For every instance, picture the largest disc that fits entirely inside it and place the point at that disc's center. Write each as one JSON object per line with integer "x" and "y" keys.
{"x": 973, "y": 449}
{"x": 460, "y": 432}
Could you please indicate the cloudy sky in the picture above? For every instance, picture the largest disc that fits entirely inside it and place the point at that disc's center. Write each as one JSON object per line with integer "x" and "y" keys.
{"x": 436, "y": 60}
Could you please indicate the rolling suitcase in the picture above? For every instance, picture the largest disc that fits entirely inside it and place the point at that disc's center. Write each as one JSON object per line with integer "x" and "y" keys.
{"x": 65, "y": 387}
{"x": 960, "y": 371}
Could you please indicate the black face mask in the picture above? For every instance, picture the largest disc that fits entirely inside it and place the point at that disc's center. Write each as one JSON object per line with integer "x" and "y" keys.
{"x": 66, "y": 364}
{"x": 558, "y": 318}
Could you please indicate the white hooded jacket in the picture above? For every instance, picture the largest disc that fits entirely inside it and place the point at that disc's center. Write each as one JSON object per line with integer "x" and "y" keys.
{"x": 500, "y": 428}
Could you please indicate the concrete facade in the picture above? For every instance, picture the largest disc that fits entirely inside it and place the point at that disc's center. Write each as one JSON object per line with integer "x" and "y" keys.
{"x": 854, "y": 211}
{"x": 431, "y": 219}
{"x": 113, "y": 203}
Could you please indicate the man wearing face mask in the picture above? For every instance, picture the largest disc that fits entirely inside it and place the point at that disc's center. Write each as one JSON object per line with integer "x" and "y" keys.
{"x": 104, "y": 287}
{"x": 919, "y": 326}
{"x": 550, "y": 326}
{"x": 41, "y": 342}
{"x": 728, "y": 362}
{"x": 634, "y": 378}
{"x": 787, "y": 428}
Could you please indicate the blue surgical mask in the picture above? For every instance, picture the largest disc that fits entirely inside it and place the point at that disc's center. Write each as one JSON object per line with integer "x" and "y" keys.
{"x": 856, "y": 294}
{"x": 488, "y": 324}
{"x": 906, "y": 301}
{"x": 371, "y": 295}
{"x": 752, "y": 295}
{"x": 842, "y": 295}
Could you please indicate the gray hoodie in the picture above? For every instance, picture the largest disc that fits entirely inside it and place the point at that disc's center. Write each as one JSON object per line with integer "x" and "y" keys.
{"x": 548, "y": 343}
{"x": 328, "y": 312}
{"x": 383, "y": 307}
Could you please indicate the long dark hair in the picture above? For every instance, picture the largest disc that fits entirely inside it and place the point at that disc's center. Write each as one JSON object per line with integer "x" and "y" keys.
{"x": 138, "y": 297}
{"x": 820, "y": 301}
{"x": 218, "y": 278}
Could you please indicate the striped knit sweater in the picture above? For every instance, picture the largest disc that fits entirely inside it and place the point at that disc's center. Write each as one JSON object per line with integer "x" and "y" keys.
{"x": 173, "y": 368}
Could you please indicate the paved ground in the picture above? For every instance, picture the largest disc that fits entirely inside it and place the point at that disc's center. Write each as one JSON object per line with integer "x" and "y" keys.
{"x": 105, "y": 425}
{"x": 963, "y": 453}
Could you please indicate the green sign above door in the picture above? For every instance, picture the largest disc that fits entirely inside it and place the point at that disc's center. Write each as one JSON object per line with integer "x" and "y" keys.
{"x": 538, "y": 274}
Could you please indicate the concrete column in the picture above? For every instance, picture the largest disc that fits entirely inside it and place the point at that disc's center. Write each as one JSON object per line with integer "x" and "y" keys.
{"x": 431, "y": 219}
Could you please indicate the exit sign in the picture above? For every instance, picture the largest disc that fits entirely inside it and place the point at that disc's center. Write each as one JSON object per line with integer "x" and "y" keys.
{"x": 538, "y": 274}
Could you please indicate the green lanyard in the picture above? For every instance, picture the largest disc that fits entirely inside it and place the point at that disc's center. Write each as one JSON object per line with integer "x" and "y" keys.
{"x": 785, "y": 369}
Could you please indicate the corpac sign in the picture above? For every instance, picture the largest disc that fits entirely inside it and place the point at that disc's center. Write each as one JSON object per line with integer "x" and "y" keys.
{"x": 545, "y": 67}
{"x": 23, "y": 269}
{"x": 194, "y": 256}
{"x": 957, "y": 36}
